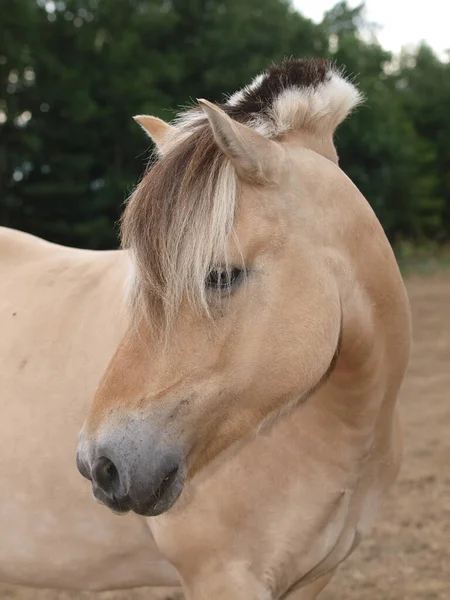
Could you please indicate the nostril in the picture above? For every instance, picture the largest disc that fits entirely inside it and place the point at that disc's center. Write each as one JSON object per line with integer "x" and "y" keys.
{"x": 106, "y": 475}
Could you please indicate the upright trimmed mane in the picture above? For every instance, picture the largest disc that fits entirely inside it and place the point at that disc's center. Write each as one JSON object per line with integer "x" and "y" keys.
{"x": 179, "y": 219}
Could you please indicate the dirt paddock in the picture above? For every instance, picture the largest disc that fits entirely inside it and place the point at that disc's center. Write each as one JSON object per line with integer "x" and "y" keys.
{"x": 407, "y": 557}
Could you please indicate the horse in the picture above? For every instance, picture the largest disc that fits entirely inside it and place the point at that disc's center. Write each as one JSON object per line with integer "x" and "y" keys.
{"x": 228, "y": 381}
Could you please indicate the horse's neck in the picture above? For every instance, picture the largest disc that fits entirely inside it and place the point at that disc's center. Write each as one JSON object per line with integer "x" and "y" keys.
{"x": 323, "y": 145}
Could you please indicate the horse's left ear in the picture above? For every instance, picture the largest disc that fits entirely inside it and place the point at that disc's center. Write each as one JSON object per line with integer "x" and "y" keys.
{"x": 160, "y": 131}
{"x": 255, "y": 157}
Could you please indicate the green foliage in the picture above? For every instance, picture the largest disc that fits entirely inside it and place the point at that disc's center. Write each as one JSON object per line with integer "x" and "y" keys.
{"x": 73, "y": 72}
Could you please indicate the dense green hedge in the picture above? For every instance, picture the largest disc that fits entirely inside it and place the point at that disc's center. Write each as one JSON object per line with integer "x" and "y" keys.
{"x": 73, "y": 72}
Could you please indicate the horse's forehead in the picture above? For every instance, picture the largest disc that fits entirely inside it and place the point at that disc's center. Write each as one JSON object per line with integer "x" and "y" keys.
{"x": 267, "y": 209}
{"x": 260, "y": 216}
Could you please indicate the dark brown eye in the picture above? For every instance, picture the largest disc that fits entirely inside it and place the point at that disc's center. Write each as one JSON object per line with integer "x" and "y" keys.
{"x": 223, "y": 279}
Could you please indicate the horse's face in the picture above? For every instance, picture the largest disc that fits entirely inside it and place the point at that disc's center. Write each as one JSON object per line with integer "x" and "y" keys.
{"x": 166, "y": 408}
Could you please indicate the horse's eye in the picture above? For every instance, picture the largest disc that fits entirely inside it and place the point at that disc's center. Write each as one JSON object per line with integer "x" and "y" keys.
{"x": 223, "y": 279}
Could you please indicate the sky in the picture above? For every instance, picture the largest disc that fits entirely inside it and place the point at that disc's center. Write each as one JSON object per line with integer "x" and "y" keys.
{"x": 403, "y": 22}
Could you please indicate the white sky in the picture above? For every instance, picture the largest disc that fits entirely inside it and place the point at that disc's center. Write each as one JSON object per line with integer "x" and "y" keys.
{"x": 403, "y": 22}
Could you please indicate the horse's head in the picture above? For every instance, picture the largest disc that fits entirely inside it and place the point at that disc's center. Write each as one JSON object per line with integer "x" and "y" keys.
{"x": 236, "y": 237}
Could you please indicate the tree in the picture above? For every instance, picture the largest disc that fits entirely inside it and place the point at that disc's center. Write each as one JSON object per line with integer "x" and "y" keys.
{"x": 74, "y": 72}
{"x": 379, "y": 146}
{"x": 94, "y": 66}
{"x": 425, "y": 85}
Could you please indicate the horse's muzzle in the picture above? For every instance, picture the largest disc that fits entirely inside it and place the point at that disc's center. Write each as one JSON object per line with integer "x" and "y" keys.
{"x": 132, "y": 468}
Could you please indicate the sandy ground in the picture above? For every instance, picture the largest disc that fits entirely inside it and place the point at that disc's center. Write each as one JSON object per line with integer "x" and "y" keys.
{"x": 407, "y": 557}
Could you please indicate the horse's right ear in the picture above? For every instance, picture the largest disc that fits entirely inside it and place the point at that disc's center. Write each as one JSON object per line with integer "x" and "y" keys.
{"x": 256, "y": 157}
{"x": 160, "y": 131}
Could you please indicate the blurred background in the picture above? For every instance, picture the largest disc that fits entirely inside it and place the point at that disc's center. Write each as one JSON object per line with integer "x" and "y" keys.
{"x": 74, "y": 72}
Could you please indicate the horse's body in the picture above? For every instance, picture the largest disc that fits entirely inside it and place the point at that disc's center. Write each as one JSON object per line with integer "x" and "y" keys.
{"x": 56, "y": 309}
{"x": 278, "y": 480}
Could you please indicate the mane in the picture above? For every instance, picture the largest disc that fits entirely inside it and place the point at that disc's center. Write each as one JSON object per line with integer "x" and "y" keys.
{"x": 178, "y": 221}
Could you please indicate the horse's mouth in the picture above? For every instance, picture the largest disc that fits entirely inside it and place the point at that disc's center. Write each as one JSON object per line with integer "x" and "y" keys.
{"x": 147, "y": 505}
{"x": 164, "y": 497}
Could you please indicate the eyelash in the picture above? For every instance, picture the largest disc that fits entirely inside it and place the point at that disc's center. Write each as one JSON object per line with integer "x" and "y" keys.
{"x": 220, "y": 279}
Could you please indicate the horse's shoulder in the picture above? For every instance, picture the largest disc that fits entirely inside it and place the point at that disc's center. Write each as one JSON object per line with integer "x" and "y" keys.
{"x": 18, "y": 245}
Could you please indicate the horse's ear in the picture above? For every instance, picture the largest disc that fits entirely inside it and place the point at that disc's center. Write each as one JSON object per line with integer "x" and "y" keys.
{"x": 255, "y": 157}
{"x": 160, "y": 131}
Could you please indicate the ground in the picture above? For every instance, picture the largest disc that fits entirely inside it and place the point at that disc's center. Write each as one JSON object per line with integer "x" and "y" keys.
{"x": 407, "y": 556}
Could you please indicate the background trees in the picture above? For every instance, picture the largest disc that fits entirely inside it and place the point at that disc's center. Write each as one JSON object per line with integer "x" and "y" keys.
{"x": 73, "y": 72}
